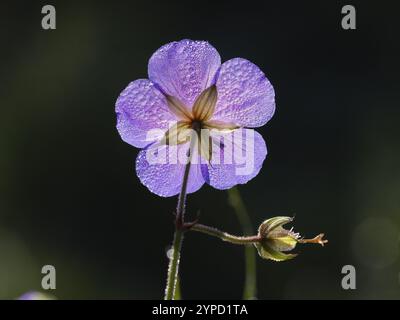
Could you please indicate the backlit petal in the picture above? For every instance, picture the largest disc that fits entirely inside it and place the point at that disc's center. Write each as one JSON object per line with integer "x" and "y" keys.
{"x": 184, "y": 69}
{"x": 165, "y": 178}
{"x": 140, "y": 108}
{"x": 245, "y": 96}
{"x": 238, "y": 160}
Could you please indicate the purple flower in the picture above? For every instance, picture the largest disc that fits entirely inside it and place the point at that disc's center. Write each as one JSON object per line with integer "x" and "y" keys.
{"x": 189, "y": 89}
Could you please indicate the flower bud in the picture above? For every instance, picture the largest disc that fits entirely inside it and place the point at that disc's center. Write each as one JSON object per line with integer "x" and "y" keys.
{"x": 275, "y": 240}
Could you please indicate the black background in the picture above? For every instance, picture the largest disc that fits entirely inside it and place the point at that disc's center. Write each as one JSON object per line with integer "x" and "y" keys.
{"x": 69, "y": 195}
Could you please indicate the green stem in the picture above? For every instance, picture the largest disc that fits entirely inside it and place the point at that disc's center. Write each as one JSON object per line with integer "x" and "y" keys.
{"x": 250, "y": 286}
{"x": 178, "y": 292}
{"x": 225, "y": 236}
{"x": 173, "y": 266}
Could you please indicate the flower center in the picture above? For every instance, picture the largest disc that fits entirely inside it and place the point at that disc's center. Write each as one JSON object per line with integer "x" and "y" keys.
{"x": 202, "y": 110}
{"x": 196, "y": 125}
{"x": 198, "y": 118}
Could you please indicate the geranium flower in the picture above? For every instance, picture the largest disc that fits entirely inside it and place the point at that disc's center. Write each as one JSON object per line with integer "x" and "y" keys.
{"x": 188, "y": 88}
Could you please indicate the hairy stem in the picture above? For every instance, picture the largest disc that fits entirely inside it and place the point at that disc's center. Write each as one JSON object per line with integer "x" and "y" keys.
{"x": 174, "y": 265}
{"x": 243, "y": 240}
{"x": 250, "y": 284}
{"x": 174, "y": 260}
{"x": 178, "y": 291}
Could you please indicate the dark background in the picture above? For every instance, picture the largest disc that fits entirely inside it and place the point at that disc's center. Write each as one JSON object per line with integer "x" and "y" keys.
{"x": 69, "y": 195}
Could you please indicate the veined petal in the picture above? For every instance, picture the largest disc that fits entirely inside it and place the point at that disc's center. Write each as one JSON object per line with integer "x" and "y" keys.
{"x": 140, "y": 108}
{"x": 204, "y": 106}
{"x": 184, "y": 69}
{"x": 238, "y": 158}
{"x": 161, "y": 170}
{"x": 245, "y": 96}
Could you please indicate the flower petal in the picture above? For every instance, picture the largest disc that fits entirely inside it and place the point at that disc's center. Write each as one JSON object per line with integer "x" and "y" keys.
{"x": 245, "y": 96}
{"x": 184, "y": 69}
{"x": 142, "y": 107}
{"x": 239, "y": 159}
{"x": 165, "y": 177}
